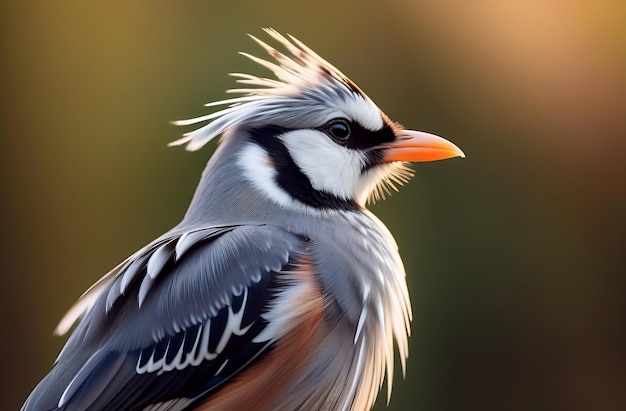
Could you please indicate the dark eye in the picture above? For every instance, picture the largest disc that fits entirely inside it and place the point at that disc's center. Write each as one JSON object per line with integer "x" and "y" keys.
{"x": 339, "y": 130}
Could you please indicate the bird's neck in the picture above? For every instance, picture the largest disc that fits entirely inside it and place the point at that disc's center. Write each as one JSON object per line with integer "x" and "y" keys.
{"x": 226, "y": 194}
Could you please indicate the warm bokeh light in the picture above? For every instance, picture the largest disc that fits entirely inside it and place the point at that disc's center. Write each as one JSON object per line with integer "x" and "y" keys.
{"x": 514, "y": 254}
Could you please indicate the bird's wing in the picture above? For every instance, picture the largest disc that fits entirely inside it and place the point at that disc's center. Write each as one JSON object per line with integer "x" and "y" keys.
{"x": 176, "y": 322}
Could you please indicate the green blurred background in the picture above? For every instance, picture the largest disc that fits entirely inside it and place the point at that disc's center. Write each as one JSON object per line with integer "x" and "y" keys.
{"x": 515, "y": 255}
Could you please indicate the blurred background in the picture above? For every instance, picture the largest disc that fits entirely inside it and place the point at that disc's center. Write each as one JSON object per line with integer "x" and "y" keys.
{"x": 515, "y": 255}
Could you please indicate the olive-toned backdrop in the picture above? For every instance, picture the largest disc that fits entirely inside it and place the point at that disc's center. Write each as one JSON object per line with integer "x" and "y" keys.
{"x": 514, "y": 255}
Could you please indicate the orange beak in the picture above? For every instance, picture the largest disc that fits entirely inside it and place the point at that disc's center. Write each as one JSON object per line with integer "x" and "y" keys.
{"x": 417, "y": 146}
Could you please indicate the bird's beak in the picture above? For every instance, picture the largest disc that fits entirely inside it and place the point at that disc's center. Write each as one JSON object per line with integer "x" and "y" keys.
{"x": 417, "y": 146}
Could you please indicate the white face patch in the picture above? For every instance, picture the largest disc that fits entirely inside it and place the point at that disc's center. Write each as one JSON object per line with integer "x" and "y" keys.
{"x": 258, "y": 168}
{"x": 329, "y": 167}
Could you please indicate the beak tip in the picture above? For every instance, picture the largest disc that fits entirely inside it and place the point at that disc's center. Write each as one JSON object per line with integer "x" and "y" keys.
{"x": 456, "y": 150}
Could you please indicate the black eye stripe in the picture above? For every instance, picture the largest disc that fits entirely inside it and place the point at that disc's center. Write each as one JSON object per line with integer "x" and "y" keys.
{"x": 356, "y": 136}
{"x": 363, "y": 139}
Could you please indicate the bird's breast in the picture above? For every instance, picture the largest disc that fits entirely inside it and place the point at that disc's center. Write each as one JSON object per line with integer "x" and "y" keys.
{"x": 366, "y": 307}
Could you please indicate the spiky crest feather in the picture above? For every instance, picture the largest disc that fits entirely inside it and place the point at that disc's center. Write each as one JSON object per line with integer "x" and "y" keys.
{"x": 304, "y": 79}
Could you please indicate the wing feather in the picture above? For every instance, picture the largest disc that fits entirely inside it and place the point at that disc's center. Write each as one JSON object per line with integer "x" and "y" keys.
{"x": 200, "y": 315}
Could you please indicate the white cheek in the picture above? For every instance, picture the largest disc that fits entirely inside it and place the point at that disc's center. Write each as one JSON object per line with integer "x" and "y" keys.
{"x": 259, "y": 170}
{"x": 329, "y": 167}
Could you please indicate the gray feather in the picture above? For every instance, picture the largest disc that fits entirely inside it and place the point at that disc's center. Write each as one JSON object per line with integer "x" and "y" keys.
{"x": 196, "y": 279}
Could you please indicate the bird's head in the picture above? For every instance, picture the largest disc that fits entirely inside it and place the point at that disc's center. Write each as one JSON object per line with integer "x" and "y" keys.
{"x": 312, "y": 137}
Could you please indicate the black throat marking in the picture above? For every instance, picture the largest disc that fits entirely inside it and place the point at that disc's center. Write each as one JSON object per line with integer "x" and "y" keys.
{"x": 290, "y": 178}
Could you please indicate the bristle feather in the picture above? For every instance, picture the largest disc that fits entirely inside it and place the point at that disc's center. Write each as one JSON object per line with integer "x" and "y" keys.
{"x": 396, "y": 176}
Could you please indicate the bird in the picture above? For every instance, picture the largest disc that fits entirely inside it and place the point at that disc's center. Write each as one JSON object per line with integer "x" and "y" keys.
{"x": 278, "y": 289}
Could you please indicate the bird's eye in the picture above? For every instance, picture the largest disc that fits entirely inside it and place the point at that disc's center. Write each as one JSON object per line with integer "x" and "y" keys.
{"x": 339, "y": 130}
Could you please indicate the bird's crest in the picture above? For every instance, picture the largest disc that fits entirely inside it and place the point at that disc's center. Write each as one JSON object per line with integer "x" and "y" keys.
{"x": 303, "y": 80}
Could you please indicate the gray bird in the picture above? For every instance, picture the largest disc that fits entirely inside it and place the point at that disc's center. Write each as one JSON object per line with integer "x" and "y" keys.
{"x": 278, "y": 290}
